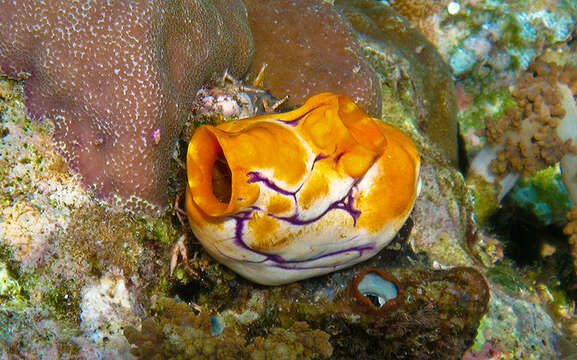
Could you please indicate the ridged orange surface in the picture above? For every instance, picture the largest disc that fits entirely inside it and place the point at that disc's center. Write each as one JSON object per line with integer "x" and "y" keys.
{"x": 281, "y": 197}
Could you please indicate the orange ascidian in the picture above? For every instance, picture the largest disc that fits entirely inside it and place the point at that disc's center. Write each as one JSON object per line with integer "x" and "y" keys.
{"x": 283, "y": 197}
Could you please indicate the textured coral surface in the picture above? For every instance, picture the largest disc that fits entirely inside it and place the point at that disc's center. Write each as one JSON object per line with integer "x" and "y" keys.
{"x": 118, "y": 78}
{"x": 310, "y": 48}
{"x": 176, "y": 332}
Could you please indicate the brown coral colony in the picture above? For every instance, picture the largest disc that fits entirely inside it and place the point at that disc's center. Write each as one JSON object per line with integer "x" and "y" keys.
{"x": 528, "y": 131}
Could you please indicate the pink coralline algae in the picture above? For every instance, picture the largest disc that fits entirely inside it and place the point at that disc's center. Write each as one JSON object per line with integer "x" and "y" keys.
{"x": 118, "y": 78}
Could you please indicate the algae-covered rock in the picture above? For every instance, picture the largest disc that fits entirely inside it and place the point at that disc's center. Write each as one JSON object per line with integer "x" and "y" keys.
{"x": 432, "y": 314}
{"x": 388, "y": 39}
{"x": 79, "y": 280}
{"x": 76, "y": 272}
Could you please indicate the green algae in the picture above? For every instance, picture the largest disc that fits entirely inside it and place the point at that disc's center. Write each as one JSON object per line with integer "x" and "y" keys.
{"x": 481, "y": 339}
{"x": 102, "y": 242}
{"x": 61, "y": 296}
{"x": 448, "y": 251}
{"x": 488, "y": 103}
{"x": 506, "y": 276}
{"x": 27, "y": 332}
{"x": 485, "y": 198}
{"x": 544, "y": 195}
{"x": 162, "y": 230}
{"x": 436, "y": 108}
{"x": 11, "y": 294}
{"x": 23, "y": 325}
{"x": 99, "y": 240}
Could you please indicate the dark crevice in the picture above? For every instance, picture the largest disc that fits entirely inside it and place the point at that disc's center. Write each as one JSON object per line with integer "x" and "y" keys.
{"x": 221, "y": 179}
{"x": 524, "y": 236}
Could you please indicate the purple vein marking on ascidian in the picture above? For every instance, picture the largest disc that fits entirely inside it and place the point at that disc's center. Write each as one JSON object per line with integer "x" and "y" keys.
{"x": 338, "y": 157}
{"x": 282, "y": 263}
{"x": 345, "y": 203}
{"x": 296, "y": 121}
{"x": 255, "y": 176}
{"x": 319, "y": 157}
{"x": 301, "y": 264}
{"x": 240, "y": 219}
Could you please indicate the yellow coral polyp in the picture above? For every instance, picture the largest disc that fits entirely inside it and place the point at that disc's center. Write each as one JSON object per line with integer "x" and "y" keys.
{"x": 283, "y": 197}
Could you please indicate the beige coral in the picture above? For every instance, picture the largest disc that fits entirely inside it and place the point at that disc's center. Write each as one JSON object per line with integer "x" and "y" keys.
{"x": 541, "y": 130}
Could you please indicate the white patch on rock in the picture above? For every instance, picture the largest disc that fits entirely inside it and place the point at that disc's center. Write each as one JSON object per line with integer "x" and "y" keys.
{"x": 107, "y": 308}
